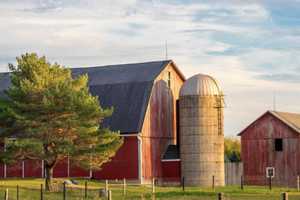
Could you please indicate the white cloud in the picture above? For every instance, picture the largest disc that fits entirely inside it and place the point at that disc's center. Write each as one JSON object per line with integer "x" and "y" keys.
{"x": 93, "y": 32}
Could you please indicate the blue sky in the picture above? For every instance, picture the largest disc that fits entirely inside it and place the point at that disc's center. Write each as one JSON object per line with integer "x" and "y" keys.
{"x": 251, "y": 47}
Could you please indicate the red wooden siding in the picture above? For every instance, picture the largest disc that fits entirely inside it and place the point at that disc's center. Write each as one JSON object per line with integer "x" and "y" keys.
{"x": 76, "y": 171}
{"x": 1, "y": 170}
{"x": 14, "y": 170}
{"x": 1, "y": 165}
{"x": 159, "y": 128}
{"x": 61, "y": 169}
{"x": 171, "y": 171}
{"x": 32, "y": 168}
{"x": 124, "y": 164}
{"x": 258, "y": 152}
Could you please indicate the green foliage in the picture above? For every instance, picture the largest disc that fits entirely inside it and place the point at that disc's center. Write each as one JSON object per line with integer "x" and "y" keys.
{"x": 53, "y": 116}
{"x": 232, "y": 148}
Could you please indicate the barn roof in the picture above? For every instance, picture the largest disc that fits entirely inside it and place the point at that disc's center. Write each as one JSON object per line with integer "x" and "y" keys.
{"x": 126, "y": 87}
{"x": 290, "y": 119}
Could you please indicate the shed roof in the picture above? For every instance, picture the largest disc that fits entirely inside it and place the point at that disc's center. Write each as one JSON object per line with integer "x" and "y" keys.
{"x": 290, "y": 119}
{"x": 172, "y": 153}
{"x": 126, "y": 87}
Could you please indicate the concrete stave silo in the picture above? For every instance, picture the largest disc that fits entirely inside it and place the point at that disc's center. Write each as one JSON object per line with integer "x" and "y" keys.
{"x": 201, "y": 131}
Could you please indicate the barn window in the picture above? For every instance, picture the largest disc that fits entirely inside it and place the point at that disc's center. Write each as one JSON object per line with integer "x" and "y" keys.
{"x": 278, "y": 144}
{"x": 169, "y": 79}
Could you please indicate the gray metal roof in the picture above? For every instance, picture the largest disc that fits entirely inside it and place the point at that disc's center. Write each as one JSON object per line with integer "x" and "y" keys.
{"x": 126, "y": 87}
{"x": 124, "y": 73}
{"x": 172, "y": 153}
{"x": 202, "y": 85}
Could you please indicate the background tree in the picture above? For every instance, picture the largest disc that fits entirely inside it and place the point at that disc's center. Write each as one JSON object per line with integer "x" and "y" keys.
{"x": 232, "y": 147}
{"x": 53, "y": 116}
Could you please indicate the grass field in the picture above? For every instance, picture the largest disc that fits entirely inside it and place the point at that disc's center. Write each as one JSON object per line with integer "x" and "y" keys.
{"x": 29, "y": 189}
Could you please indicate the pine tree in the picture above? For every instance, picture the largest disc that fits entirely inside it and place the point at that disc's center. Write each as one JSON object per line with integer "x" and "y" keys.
{"x": 52, "y": 116}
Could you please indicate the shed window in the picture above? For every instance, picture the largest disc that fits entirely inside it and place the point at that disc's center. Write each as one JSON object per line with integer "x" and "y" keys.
{"x": 278, "y": 144}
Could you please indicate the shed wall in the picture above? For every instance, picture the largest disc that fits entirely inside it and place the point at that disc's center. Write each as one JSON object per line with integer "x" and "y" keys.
{"x": 171, "y": 171}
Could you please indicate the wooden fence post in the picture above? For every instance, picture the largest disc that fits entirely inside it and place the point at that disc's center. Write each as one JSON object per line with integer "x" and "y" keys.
{"x": 124, "y": 186}
{"x": 298, "y": 183}
{"x": 106, "y": 186}
{"x": 213, "y": 182}
{"x": 153, "y": 185}
{"x": 42, "y": 190}
{"x": 17, "y": 192}
{"x": 109, "y": 197}
{"x": 153, "y": 197}
{"x": 242, "y": 182}
{"x": 285, "y": 196}
{"x": 182, "y": 183}
{"x": 64, "y": 192}
{"x": 23, "y": 169}
{"x": 6, "y": 194}
{"x": 220, "y": 196}
{"x": 85, "y": 189}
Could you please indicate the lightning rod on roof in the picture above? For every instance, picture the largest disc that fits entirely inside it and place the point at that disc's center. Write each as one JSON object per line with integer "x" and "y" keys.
{"x": 166, "y": 48}
{"x": 274, "y": 101}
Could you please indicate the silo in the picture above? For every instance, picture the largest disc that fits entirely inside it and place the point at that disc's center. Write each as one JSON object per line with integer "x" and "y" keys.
{"x": 201, "y": 131}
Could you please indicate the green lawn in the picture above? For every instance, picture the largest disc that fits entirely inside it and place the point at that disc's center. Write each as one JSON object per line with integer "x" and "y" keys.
{"x": 29, "y": 189}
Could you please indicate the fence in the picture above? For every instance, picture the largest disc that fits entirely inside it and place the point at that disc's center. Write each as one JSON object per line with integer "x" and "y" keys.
{"x": 121, "y": 190}
{"x": 233, "y": 173}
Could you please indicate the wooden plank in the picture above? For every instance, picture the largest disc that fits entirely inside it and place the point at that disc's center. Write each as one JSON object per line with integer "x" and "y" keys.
{"x": 233, "y": 173}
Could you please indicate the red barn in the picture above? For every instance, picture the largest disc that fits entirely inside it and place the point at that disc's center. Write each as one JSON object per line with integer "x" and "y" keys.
{"x": 144, "y": 97}
{"x": 273, "y": 140}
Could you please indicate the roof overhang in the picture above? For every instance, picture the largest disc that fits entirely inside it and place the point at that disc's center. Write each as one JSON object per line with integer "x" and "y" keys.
{"x": 285, "y": 121}
{"x": 177, "y": 70}
{"x": 276, "y": 116}
{"x": 170, "y": 160}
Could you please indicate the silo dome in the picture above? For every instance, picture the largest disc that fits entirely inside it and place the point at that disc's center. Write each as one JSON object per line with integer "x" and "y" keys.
{"x": 201, "y": 85}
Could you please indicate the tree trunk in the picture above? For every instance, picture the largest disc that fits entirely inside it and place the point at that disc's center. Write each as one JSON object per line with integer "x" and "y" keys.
{"x": 48, "y": 177}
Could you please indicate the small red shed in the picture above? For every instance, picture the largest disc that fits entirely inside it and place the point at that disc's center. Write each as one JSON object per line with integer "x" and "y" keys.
{"x": 273, "y": 140}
